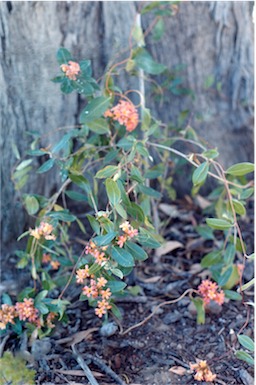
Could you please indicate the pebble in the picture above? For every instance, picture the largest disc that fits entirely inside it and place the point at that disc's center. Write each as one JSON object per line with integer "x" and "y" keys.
{"x": 40, "y": 348}
{"x": 172, "y": 317}
{"x": 246, "y": 377}
{"x": 108, "y": 329}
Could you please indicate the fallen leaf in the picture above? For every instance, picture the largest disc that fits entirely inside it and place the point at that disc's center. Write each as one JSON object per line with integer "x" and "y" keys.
{"x": 178, "y": 370}
{"x": 168, "y": 247}
{"x": 151, "y": 279}
{"x": 170, "y": 210}
{"x": 77, "y": 337}
{"x": 202, "y": 202}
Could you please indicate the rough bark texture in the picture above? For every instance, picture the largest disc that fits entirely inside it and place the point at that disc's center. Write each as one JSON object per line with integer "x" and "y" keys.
{"x": 211, "y": 38}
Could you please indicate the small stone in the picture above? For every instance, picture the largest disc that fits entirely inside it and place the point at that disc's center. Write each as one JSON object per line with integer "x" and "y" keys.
{"x": 173, "y": 317}
{"x": 192, "y": 309}
{"x": 246, "y": 377}
{"x": 40, "y": 348}
{"x": 108, "y": 329}
{"x": 213, "y": 308}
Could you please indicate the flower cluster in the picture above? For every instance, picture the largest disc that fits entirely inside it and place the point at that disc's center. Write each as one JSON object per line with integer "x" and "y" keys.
{"x": 44, "y": 230}
{"x": 129, "y": 232}
{"x": 125, "y": 113}
{"x": 96, "y": 252}
{"x": 71, "y": 69}
{"x": 95, "y": 289}
{"x": 203, "y": 372}
{"x": 209, "y": 292}
{"x": 51, "y": 317}
{"x": 7, "y": 315}
{"x": 24, "y": 310}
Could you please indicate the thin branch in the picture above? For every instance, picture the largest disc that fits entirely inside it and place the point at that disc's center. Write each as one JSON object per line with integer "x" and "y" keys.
{"x": 85, "y": 367}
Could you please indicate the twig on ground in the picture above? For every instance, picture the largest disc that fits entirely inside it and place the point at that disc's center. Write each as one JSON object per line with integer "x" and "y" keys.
{"x": 97, "y": 361}
{"x": 84, "y": 366}
{"x": 122, "y": 333}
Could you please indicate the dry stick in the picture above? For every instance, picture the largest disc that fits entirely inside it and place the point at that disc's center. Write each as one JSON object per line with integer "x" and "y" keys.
{"x": 122, "y": 333}
{"x": 97, "y": 361}
{"x": 85, "y": 367}
{"x": 71, "y": 276}
{"x": 2, "y": 345}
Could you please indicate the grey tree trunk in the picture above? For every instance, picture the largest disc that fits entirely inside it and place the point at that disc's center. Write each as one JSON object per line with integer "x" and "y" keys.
{"x": 210, "y": 38}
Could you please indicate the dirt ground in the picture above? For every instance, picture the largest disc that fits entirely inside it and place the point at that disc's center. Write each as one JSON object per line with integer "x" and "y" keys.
{"x": 154, "y": 352}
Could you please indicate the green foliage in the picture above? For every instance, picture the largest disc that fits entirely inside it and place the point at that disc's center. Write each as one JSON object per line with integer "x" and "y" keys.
{"x": 114, "y": 172}
{"x": 13, "y": 371}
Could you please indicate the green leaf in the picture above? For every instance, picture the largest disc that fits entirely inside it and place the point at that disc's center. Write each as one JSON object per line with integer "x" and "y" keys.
{"x": 41, "y": 296}
{"x": 135, "y": 211}
{"x": 137, "y": 252}
{"x": 117, "y": 313}
{"x": 66, "y": 86}
{"x": 145, "y": 61}
{"x": 24, "y": 164}
{"x": 117, "y": 273}
{"x": 121, "y": 211}
{"x": 239, "y": 207}
{"x": 76, "y": 196}
{"x": 62, "y": 143}
{"x": 116, "y": 286}
{"x": 240, "y": 169}
{"x": 106, "y": 172}
{"x": 211, "y": 154}
{"x": 99, "y": 126}
{"x": 248, "y": 284}
{"x": 94, "y": 109}
{"x": 63, "y": 56}
{"x": 212, "y": 258}
{"x": 31, "y": 204}
{"x": 6, "y": 299}
{"x": 138, "y": 36}
{"x": 122, "y": 257}
{"x": 113, "y": 192}
{"x": 46, "y": 166}
{"x": 62, "y": 215}
{"x": 149, "y": 191}
{"x": 105, "y": 240}
{"x": 223, "y": 279}
{"x": 158, "y": 29}
{"x": 245, "y": 194}
{"x": 85, "y": 66}
{"x": 200, "y": 174}
{"x": 246, "y": 342}
{"x": 82, "y": 182}
{"x": 94, "y": 224}
{"x": 241, "y": 355}
{"x": 231, "y": 294}
{"x": 199, "y": 305}
{"x": 229, "y": 254}
{"x": 205, "y": 232}
{"x": 218, "y": 224}
{"x": 145, "y": 238}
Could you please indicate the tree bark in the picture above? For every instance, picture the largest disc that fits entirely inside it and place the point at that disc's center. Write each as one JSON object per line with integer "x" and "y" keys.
{"x": 213, "y": 38}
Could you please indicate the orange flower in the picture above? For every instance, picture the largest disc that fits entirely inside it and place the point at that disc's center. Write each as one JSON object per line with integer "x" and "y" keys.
{"x": 44, "y": 230}
{"x": 50, "y": 317}
{"x": 101, "y": 282}
{"x": 71, "y": 69}
{"x": 125, "y": 113}
{"x": 209, "y": 292}
{"x": 46, "y": 258}
{"x": 26, "y": 310}
{"x": 121, "y": 240}
{"x": 203, "y": 372}
{"x": 55, "y": 265}
{"x": 106, "y": 294}
{"x": 7, "y": 315}
{"x": 82, "y": 274}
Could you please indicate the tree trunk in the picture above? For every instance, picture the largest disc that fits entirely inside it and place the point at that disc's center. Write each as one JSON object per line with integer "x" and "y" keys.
{"x": 213, "y": 38}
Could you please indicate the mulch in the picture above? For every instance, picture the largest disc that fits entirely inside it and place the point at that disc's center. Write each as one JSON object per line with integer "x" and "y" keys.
{"x": 155, "y": 352}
